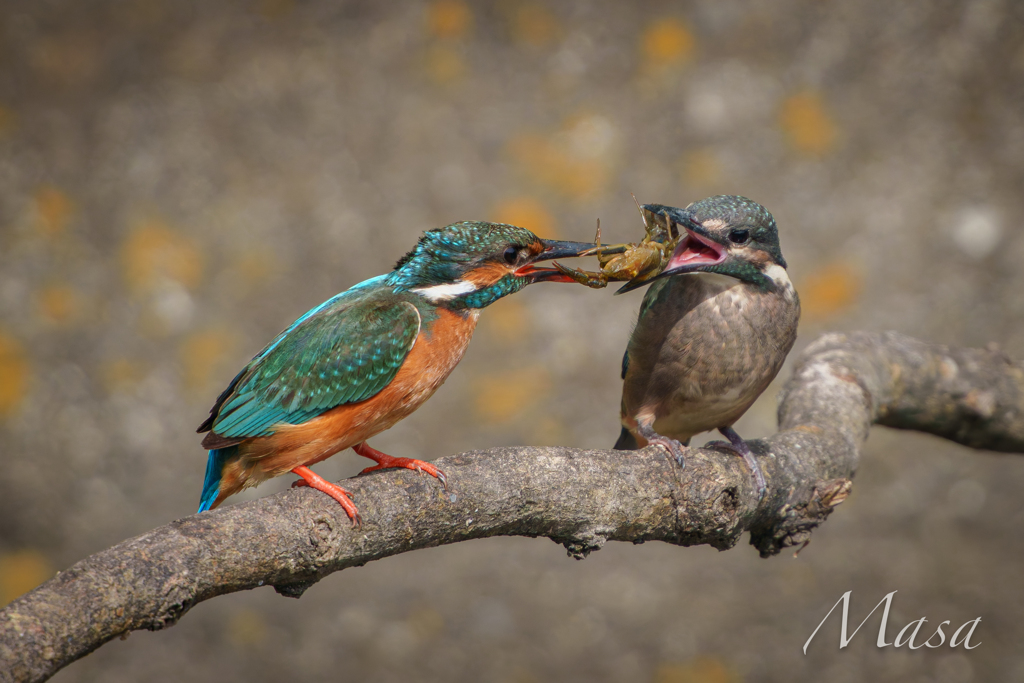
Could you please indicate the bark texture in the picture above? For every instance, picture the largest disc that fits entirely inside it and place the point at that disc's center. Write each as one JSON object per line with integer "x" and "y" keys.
{"x": 841, "y": 385}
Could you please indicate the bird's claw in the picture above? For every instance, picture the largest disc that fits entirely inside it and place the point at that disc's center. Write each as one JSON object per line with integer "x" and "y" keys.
{"x": 315, "y": 481}
{"x": 675, "y": 449}
{"x": 385, "y": 461}
{"x": 299, "y": 483}
{"x": 748, "y": 457}
{"x": 440, "y": 476}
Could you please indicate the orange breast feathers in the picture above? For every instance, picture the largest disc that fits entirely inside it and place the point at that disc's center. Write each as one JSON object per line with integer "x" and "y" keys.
{"x": 433, "y": 357}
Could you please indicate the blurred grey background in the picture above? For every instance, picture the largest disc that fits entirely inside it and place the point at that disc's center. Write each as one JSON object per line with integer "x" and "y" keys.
{"x": 181, "y": 180}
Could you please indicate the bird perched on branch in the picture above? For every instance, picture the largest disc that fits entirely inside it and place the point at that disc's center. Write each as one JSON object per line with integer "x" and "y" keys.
{"x": 713, "y": 331}
{"x": 363, "y": 360}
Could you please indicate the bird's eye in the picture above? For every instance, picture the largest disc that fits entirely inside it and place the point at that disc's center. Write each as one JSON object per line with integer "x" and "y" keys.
{"x": 739, "y": 236}
{"x": 510, "y": 255}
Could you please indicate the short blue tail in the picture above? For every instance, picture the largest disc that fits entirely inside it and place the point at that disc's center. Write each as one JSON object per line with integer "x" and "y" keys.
{"x": 214, "y": 468}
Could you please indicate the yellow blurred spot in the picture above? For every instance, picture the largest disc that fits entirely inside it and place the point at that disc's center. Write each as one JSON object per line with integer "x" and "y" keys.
{"x": 526, "y": 212}
{"x": 520, "y": 674}
{"x": 69, "y": 59}
{"x": 548, "y": 431}
{"x": 798, "y": 578}
{"x": 426, "y": 623}
{"x": 20, "y": 572}
{"x": 553, "y": 167}
{"x": 276, "y": 9}
{"x": 247, "y": 627}
{"x": 54, "y": 210}
{"x": 141, "y": 14}
{"x": 445, "y": 65}
{"x": 8, "y": 120}
{"x": 59, "y": 303}
{"x": 193, "y": 56}
{"x": 449, "y": 18}
{"x": 700, "y": 168}
{"x": 255, "y": 267}
{"x": 667, "y": 42}
{"x": 829, "y": 290}
{"x": 14, "y": 373}
{"x": 202, "y": 355}
{"x": 576, "y": 160}
{"x": 121, "y": 374}
{"x": 501, "y": 396}
{"x": 507, "y": 320}
{"x": 808, "y": 127}
{"x": 154, "y": 253}
{"x": 698, "y": 670}
{"x": 533, "y": 24}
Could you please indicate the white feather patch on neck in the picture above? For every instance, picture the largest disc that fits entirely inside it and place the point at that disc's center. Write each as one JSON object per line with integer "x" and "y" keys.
{"x": 446, "y": 292}
{"x": 780, "y": 277}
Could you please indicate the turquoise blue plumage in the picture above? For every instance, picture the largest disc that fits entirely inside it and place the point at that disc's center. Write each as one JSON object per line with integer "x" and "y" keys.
{"x": 343, "y": 351}
{"x": 346, "y": 351}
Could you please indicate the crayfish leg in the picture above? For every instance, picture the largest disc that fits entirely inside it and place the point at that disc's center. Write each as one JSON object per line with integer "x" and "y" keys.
{"x": 586, "y": 278}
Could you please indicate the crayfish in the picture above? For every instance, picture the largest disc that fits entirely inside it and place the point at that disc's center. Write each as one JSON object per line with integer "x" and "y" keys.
{"x": 636, "y": 263}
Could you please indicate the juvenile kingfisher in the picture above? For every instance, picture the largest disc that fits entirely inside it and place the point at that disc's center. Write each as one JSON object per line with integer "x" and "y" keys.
{"x": 364, "y": 359}
{"x": 713, "y": 331}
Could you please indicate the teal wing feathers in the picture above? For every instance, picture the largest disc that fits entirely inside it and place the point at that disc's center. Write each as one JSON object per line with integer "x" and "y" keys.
{"x": 344, "y": 351}
{"x": 652, "y": 294}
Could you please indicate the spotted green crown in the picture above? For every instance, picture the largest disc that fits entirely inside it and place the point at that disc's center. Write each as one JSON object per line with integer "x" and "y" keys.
{"x": 443, "y": 255}
{"x": 740, "y": 212}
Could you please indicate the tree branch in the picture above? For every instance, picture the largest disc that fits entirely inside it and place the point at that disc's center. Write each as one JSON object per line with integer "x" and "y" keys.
{"x": 842, "y": 384}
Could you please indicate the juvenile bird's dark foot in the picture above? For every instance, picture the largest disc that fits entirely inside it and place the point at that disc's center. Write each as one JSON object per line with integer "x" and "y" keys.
{"x": 737, "y": 445}
{"x": 674, "y": 448}
{"x": 314, "y": 480}
{"x": 385, "y": 461}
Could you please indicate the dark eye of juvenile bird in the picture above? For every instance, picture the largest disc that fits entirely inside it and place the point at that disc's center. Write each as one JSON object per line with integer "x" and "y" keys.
{"x": 739, "y": 236}
{"x": 511, "y": 254}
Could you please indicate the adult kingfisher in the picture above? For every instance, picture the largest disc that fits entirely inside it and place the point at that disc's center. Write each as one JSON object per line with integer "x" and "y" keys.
{"x": 366, "y": 358}
{"x": 713, "y": 331}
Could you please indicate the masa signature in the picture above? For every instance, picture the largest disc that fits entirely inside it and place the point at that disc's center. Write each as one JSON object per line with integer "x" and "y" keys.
{"x": 907, "y": 635}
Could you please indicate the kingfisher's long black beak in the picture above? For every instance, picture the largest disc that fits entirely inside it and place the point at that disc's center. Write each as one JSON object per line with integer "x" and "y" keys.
{"x": 552, "y": 249}
{"x": 558, "y": 249}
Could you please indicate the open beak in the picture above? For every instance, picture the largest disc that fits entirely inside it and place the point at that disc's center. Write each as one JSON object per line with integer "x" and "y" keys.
{"x": 695, "y": 250}
{"x": 552, "y": 249}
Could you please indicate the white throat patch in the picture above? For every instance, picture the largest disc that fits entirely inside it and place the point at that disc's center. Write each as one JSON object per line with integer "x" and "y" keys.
{"x": 780, "y": 277}
{"x": 446, "y": 292}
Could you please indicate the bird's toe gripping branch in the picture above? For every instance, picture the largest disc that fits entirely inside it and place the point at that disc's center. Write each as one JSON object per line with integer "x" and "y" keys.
{"x": 674, "y": 448}
{"x": 313, "y": 480}
{"x": 385, "y": 461}
{"x": 737, "y": 445}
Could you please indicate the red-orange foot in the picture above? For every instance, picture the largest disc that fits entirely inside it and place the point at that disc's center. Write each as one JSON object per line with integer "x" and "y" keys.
{"x": 311, "y": 478}
{"x": 385, "y": 461}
